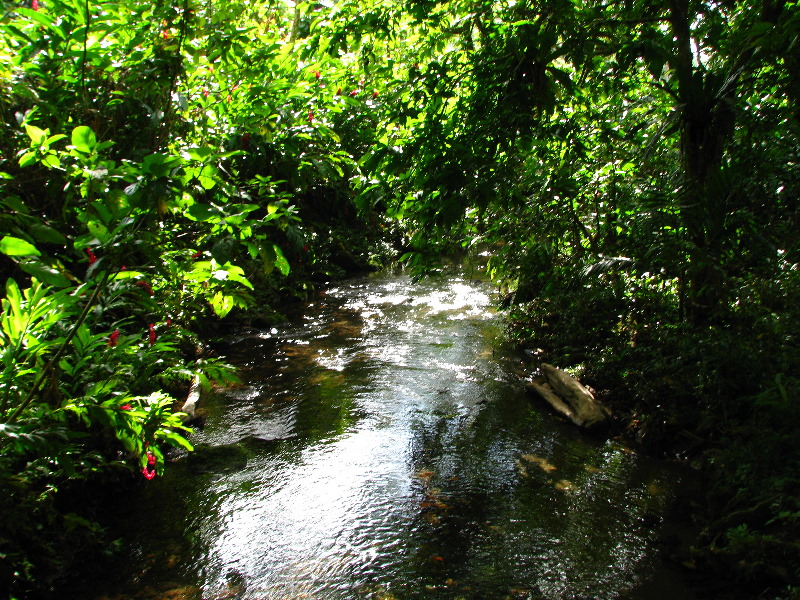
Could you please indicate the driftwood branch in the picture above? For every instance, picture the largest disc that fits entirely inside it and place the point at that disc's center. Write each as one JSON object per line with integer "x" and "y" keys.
{"x": 569, "y": 398}
{"x": 192, "y": 400}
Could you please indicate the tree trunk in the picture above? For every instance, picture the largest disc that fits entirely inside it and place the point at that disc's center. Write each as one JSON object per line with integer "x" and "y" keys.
{"x": 707, "y": 126}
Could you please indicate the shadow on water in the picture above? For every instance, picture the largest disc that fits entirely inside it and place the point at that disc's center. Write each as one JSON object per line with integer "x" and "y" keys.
{"x": 380, "y": 449}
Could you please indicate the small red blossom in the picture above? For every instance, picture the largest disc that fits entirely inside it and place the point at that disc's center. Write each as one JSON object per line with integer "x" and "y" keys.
{"x": 353, "y": 94}
{"x": 113, "y": 338}
{"x": 339, "y": 92}
{"x": 148, "y": 473}
{"x": 126, "y": 407}
{"x": 374, "y": 94}
{"x": 35, "y": 4}
{"x": 317, "y": 74}
{"x": 123, "y": 268}
{"x": 205, "y": 92}
{"x": 92, "y": 257}
{"x": 151, "y": 459}
{"x": 169, "y": 322}
{"x": 311, "y": 116}
{"x": 151, "y": 334}
{"x": 145, "y": 286}
{"x": 197, "y": 255}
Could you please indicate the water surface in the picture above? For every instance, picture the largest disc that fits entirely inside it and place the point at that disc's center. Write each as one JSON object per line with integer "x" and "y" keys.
{"x": 381, "y": 448}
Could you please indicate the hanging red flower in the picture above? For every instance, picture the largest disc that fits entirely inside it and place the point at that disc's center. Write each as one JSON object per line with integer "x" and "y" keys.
{"x": 92, "y": 257}
{"x": 113, "y": 338}
{"x": 126, "y": 407}
{"x": 148, "y": 474}
{"x": 151, "y": 333}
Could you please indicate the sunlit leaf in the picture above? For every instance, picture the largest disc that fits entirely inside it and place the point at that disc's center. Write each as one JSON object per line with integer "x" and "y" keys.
{"x": 12, "y": 246}
{"x": 84, "y": 139}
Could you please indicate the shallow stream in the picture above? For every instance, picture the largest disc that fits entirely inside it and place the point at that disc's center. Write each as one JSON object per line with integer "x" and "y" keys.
{"x": 381, "y": 448}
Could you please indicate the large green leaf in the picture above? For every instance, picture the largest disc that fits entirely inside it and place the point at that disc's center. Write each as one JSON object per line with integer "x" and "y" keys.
{"x": 12, "y": 246}
{"x": 84, "y": 139}
{"x": 45, "y": 273}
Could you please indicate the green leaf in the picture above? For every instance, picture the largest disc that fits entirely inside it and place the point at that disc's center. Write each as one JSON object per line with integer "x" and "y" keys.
{"x": 37, "y": 135}
{"x": 206, "y": 177}
{"x": 280, "y": 261}
{"x": 121, "y": 275}
{"x": 12, "y": 246}
{"x": 37, "y": 16}
{"x": 45, "y": 273}
{"x": 201, "y": 153}
{"x": 222, "y": 304}
{"x": 268, "y": 257}
{"x": 51, "y": 161}
{"x": 27, "y": 159}
{"x": 45, "y": 233}
{"x": 203, "y": 212}
{"x": 84, "y": 139}
{"x": 159, "y": 164}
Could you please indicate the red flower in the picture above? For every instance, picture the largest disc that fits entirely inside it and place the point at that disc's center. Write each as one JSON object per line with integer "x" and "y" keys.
{"x": 353, "y": 94}
{"x": 311, "y": 116}
{"x": 205, "y": 92}
{"x": 145, "y": 286}
{"x": 35, "y": 4}
{"x": 339, "y": 92}
{"x": 151, "y": 333}
{"x": 112, "y": 339}
{"x": 92, "y": 257}
{"x": 151, "y": 459}
{"x": 374, "y": 94}
{"x": 197, "y": 255}
{"x": 126, "y": 407}
{"x": 148, "y": 474}
{"x": 317, "y": 74}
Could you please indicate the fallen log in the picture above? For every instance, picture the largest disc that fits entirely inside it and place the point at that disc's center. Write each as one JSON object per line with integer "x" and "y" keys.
{"x": 569, "y": 398}
{"x": 190, "y": 405}
{"x": 544, "y": 391}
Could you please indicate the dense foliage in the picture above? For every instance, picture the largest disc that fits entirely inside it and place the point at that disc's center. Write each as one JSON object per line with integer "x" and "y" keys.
{"x": 631, "y": 167}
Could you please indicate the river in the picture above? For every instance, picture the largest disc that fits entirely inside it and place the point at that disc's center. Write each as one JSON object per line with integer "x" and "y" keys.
{"x": 381, "y": 448}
